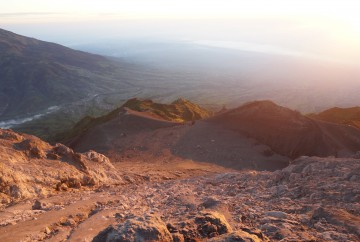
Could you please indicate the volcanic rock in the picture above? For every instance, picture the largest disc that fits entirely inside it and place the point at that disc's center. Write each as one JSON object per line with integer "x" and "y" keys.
{"x": 147, "y": 228}
{"x": 27, "y": 171}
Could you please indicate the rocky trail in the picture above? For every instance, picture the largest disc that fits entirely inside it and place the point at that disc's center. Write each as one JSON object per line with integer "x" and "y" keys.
{"x": 298, "y": 203}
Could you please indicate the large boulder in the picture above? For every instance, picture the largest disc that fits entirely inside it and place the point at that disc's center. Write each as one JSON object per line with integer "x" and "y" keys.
{"x": 211, "y": 224}
{"x": 238, "y": 236}
{"x": 136, "y": 229}
{"x": 206, "y": 224}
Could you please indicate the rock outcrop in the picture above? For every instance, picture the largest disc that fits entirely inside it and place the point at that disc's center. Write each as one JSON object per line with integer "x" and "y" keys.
{"x": 147, "y": 228}
{"x": 238, "y": 236}
{"x": 31, "y": 168}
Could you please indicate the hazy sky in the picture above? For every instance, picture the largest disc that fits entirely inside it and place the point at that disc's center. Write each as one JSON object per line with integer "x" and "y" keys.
{"x": 344, "y": 10}
{"x": 321, "y": 27}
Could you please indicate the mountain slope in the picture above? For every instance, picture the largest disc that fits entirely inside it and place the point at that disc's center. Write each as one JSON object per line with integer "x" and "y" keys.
{"x": 145, "y": 130}
{"x": 180, "y": 110}
{"x": 35, "y": 75}
{"x": 259, "y": 135}
{"x": 348, "y": 116}
{"x": 288, "y": 132}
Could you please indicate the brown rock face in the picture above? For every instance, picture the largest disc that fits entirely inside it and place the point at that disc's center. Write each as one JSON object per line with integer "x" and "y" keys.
{"x": 211, "y": 224}
{"x": 238, "y": 236}
{"x": 206, "y": 224}
{"x": 24, "y": 157}
{"x": 146, "y": 229}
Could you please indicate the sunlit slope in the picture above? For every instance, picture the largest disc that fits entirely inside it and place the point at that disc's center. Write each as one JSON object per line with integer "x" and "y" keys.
{"x": 181, "y": 110}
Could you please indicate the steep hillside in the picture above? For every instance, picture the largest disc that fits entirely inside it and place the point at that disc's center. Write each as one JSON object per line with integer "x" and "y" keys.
{"x": 288, "y": 132}
{"x": 266, "y": 136}
{"x": 35, "y": 75}
{"x": 180, "y": 110}
{"x": 147, "y": 134}
{"x": 348, "y": 116}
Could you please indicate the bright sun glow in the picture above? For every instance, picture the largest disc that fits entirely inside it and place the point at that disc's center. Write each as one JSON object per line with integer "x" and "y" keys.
{"x": 331, "y": 26}
{"x": 340, "y": 9}
{"x": 328, "y": 12}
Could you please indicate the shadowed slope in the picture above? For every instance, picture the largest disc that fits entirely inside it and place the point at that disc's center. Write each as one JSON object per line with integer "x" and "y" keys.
{"x": 258, "y": 135}
{"x": 288, "y": 132}
{"x": 102, "y": 137}
{"x": 125, "y": 134}
{"x": 348, "y": 116}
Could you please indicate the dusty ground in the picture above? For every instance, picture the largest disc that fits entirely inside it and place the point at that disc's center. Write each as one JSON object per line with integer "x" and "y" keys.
{"x": 298, "y": 203}
{"x": 81, "y": 204}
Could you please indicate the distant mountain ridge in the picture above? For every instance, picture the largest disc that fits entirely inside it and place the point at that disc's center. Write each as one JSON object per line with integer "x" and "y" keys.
{"x": 35, "y": 75}
{"x": 347, "y": 116}
{"x": 16, "y": 45}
